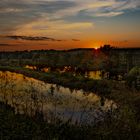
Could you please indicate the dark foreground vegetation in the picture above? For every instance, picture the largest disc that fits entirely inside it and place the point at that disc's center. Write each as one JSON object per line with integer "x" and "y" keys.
{"x": 118, "y": 125}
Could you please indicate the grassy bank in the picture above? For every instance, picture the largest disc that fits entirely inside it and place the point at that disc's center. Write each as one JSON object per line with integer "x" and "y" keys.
{"x": 65, "y": 79}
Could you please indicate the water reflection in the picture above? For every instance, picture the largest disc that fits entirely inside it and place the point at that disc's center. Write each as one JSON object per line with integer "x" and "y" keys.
{"x": 31, "y": 96}
{"x": 94, "y": 74}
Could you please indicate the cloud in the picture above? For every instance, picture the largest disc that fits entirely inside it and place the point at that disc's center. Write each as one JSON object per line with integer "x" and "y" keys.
{"x": 109, "y": 8}
{"x": 31, "y": 38}
{"x": 108, "y": 14}
{"x": 98, "y": 8}
{"x": 4, "y": 44}
{"x": 24, "y": 12}
{"x": 75, "y": 40}
{"x": 57, "y": 29}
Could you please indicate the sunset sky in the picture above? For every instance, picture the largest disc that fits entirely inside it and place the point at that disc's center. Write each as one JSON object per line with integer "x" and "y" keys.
{"x": 65, "y": 24}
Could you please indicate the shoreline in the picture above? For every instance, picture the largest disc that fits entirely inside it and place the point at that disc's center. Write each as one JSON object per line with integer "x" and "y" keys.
{"x": 65, "y": 80}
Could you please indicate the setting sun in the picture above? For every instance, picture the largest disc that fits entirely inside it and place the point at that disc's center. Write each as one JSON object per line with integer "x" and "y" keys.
{"x": 96, "y": 47}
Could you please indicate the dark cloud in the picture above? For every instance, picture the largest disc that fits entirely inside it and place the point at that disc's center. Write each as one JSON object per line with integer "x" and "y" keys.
{"x": 31, "y": 38}
{"x": 22, "y": 12}
{"x": 35, "y": 8}
{"x": 75, "y": 40}
{"x": 4, "y": 44}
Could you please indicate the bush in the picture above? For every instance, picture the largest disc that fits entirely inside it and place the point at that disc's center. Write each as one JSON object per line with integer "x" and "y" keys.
{"x": 132, "y": 77}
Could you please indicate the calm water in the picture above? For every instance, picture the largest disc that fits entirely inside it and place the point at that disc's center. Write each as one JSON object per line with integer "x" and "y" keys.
{"x": 28, "y": 95}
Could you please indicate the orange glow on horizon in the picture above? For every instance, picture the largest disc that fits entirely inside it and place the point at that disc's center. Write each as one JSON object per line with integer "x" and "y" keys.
{"x": 19, "y": 45}
{"x": 96, "y": 47}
